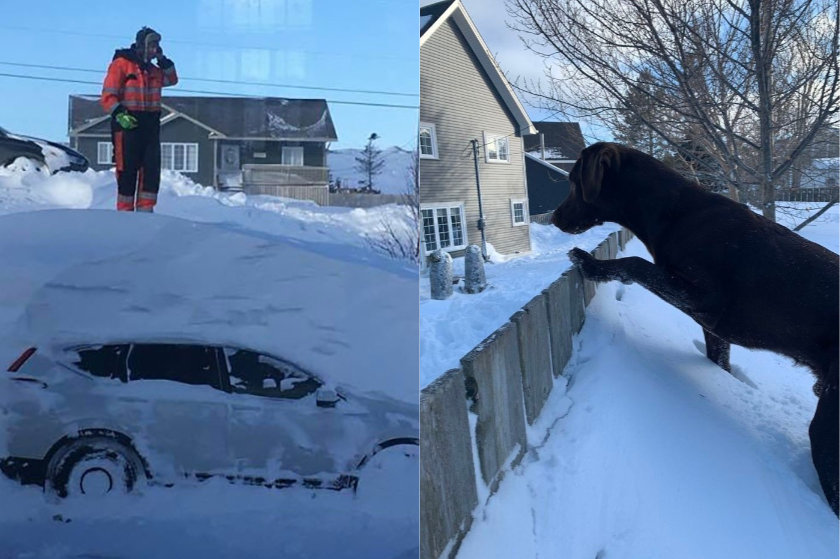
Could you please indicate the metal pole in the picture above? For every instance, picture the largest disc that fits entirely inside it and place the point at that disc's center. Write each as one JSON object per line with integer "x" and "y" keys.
{"x": 480, "y": 211}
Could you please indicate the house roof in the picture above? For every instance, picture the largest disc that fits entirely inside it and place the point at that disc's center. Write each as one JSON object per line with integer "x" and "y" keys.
{"x": 551, "y": 168}
{"x": 563, "y": 140}
{"x": 434, "y": 15}
{"x": 430, "y": 14}
{"x": 260, "y": 118}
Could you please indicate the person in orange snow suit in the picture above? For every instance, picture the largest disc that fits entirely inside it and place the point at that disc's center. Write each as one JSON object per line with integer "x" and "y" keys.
{"x": 131, "y": 94}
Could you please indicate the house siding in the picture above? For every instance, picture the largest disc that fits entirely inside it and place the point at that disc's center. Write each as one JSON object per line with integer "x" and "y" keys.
{"x": 179, "y": 130}
{"x": 185, "y": 131}
{"x": 314, "y": 153}
{"x": 457, "y": 96}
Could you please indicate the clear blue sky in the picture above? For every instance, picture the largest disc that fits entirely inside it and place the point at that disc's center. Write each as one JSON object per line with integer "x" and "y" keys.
{"x": 364, "y": 45}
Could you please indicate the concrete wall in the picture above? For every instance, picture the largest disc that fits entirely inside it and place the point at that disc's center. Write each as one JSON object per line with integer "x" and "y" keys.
{"x": 448, "y": 491}
{"x": 506, "y": 381}
{"x": 494, "y": 380}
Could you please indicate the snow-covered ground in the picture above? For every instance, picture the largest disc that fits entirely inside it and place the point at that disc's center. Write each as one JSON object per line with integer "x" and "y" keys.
{"x": 650, "y": 450}
{"x": 278, "y": 275}
{"x": 450, "y": 329}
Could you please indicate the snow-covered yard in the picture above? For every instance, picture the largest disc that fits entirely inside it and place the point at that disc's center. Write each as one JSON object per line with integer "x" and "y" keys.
{"x": 650, "y": 450}
{"x": 278, "y": 275}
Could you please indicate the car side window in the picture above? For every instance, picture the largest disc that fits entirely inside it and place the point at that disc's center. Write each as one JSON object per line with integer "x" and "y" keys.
{"x": 190, "y": 364}
{"x": 261, "y": 375}
{"x": 106, "y": 361}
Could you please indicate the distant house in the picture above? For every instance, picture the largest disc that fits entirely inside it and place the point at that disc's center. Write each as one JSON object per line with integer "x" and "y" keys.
{"x": 465, "y": 97}
{"x": 548, "y": 185}
{"x": 562, "y": 143}
{"x": 822, "y": 162}
{"x": 262, "y": 145}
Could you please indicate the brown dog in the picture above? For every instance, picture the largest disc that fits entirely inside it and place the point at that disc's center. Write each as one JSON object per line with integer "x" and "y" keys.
{"x": 746, "y": 280}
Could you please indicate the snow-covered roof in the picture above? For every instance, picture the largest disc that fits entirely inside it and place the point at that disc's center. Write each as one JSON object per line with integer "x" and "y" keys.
{"x": 258, "y": 118}
{"x": 535, "y": 158}
{"x": 435, "y": 15}
{"x": 563, "y": 140}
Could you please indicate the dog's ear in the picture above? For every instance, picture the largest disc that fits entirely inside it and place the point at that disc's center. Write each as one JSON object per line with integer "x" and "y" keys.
{"x": 593, "y": 166}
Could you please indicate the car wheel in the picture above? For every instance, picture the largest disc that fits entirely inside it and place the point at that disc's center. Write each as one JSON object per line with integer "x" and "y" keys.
{"x": 93, "y": 466}
{"x": 391, "y": 475}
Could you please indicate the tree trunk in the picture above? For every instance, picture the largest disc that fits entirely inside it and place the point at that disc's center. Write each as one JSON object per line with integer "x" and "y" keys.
{"x": 759, "y": 36}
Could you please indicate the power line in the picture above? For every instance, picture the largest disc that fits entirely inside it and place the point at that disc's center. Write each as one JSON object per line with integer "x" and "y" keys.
{"x": 205, "y": 92}
{"x": 201, "y": 44}
{"x": 237, "y": 82}
{"x": 517, "y": 131}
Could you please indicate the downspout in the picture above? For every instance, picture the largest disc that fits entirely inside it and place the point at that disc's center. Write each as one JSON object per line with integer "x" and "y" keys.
{"x": 215, "y": 164}
{"x": 480, "y": 210}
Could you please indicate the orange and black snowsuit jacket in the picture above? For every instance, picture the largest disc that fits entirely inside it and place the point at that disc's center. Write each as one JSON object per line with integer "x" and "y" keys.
{"x": 134, "y": 84}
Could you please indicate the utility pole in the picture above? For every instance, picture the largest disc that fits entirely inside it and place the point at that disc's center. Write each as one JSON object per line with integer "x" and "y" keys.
{"x": 480, "y": 211}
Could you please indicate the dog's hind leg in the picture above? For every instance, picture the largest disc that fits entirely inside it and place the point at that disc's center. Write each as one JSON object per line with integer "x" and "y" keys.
{"x": 717, "y": 350}
{"x": 824, "y": 444}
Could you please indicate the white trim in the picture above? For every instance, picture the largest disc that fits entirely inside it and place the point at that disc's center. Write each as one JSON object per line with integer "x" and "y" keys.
{"x": 109, "y": 150}
{"x": 278, "y": 139}
{"x": 291, "y": 149}
{"x": 514, "y": 202}
{"x": 186, "y": 145}
{"x": 490, "y": 137}
{"x": 91, "y": 124}
{"x": 173, "y": 114}
{"x": 545, "y": 163}
{"x": 443, "y": 17}
{"x": 462, "y": 20}
{"x": 433, "y": 132}
{"x": 463, "y": 224}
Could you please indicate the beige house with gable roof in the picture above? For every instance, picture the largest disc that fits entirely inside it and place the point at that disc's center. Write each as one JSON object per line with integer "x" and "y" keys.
{"x": 465, "y": 97}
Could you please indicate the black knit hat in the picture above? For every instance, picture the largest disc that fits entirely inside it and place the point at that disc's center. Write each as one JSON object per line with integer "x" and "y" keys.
{"x": 140, "y": 38}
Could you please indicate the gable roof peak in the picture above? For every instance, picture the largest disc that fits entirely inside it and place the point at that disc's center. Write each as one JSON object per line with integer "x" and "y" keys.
{"x": 454, "y": 10}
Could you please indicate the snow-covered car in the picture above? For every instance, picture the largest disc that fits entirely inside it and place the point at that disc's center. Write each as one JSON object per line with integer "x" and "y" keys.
{"x": 50, "y": 156}
{"x": 94, "y": 419}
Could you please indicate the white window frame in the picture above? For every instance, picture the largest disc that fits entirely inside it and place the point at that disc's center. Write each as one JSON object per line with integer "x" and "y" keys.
{"x": 494, "y": 138}
{"x": 171, "y": 146}
{"x": 433, "y": 134}
{"x": 109, "y": 150}
{"x": 447, "y": 207}
{"x": 525, "y": 218}
{"x": 290, "y": 150}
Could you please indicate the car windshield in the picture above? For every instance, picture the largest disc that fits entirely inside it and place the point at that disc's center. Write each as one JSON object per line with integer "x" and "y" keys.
{"x": 3, "y": 131}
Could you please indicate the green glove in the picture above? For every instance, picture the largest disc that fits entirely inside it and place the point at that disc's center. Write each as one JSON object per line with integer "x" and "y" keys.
{"x": 126, "y": 120}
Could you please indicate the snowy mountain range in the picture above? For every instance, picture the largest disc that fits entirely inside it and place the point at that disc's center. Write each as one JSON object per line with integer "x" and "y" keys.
{"x": 394, "y": 178}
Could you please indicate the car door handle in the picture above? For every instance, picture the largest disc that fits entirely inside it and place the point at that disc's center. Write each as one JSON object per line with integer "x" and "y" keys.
{"x": 132, "y": 399}
{"x": 246, "y": 408}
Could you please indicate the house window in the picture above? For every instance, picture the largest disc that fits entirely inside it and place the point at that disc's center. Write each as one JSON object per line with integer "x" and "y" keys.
{"x": 519, "y": 212}
{"x": 292, "y": 156}
{"x": 179, "y": 157}
{"x": 104, "y": 153}
{"x": 428, "y": 141}
{"x": 443, "y": 227}
{"x": 496, "y": 148}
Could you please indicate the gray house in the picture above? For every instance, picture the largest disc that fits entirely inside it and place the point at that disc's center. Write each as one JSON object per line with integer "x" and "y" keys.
{"x": 548, "y": 185}
{"x": 465, "y": 97}
{"x": 558, "y": 143}
{"x": 262, "y": 145}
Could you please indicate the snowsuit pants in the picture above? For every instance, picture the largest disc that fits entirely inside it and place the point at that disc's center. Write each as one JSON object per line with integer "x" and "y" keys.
{"x": 137, "y": 158}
